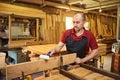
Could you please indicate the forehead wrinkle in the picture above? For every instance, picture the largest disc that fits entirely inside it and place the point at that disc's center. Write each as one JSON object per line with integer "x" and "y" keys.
{"x": 79, "y": 16}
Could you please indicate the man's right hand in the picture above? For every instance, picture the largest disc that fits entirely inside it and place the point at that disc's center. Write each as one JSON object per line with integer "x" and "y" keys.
{"x": 51, "y": 52}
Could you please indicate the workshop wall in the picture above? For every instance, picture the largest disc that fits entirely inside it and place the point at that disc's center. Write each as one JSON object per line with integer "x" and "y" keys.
{"x": 54, "y": 21}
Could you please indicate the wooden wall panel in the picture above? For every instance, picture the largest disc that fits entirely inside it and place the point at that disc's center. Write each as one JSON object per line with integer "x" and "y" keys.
{"x": 20, "y": 10}
{"x": 102, "y": 25}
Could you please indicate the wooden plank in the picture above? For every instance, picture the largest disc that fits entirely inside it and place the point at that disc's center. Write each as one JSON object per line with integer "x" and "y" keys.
{"x": 81, "y": 72}
{"x": 13, "y": 71}
{"x": 20, "y": 10}
{"x": 88, "y": 74}
{"x": 57, "y": 77}
{"x": 71, "y": 76}
{"x": 41, "y": 49}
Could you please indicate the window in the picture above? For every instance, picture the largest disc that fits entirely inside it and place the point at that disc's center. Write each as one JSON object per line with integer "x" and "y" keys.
{"x": 69, "y": 23}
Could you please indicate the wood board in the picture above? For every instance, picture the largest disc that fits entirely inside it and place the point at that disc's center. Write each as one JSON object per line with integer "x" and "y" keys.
{"x": 88, "y": 74}
{"x": 41, "y": 49}
{"x": 57, "y": 77}
{"x": 13, "y": 71}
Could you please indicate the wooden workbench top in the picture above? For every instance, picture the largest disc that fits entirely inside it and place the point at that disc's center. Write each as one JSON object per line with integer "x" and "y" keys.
{"x": 41, "y": 49}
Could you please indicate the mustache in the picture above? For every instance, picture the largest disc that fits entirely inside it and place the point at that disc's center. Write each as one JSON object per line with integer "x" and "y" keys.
{"x": 75, "y": 26}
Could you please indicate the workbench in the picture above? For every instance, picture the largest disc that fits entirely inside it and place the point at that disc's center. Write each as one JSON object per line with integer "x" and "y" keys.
{"x": 43, "y": 49}
{"x": 85, "y": 71}
{"x": 36, "y": 50}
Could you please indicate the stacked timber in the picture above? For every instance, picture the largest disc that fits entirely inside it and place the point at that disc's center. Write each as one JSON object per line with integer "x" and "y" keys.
{"x": 104, "y": 48}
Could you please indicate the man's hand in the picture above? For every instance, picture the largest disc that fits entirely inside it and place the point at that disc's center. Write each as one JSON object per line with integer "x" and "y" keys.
{"x": 51, "y": 52}
{"x": 78, "y": 60}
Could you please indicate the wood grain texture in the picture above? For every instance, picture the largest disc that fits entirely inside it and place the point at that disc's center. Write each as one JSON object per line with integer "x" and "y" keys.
{"x": 57, "y": 77}
{"x": 88, "y": 74}
{"x": 13, "y": 71}
{"x": 41, "y": 49}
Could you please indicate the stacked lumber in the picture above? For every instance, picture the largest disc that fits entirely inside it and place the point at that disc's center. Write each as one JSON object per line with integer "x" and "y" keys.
{"x": 88, "y": 74}
{"x": 104, "y": 48}
{"x": 36, "y": 50}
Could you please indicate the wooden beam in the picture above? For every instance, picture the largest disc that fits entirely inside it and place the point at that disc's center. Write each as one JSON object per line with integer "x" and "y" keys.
{"x": 90, "y": 2}
{"x": 69, "y": 75}
{"x": 103, "y": 3}
{"x": 102, "y": 6}
{"x": 57, "y": 5}
{"x": 118, "y": 23}
{"x": 104, "y": 14}
{"x": 74, "y": 1}
{"x": 14, "y": 71}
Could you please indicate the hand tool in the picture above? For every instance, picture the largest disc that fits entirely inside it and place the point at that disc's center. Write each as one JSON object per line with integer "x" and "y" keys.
{"x": 45, "y": 56}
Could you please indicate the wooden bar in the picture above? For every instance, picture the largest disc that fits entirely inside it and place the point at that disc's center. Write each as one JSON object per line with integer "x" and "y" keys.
{"x": 6, "y": 48}
{"x": 57, "y": 77}
{"x": 103, "y": 72}
{"x": 71, "y": 76}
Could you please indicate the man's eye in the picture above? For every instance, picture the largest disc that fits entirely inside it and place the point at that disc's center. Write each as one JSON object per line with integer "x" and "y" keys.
{"x": 77, "y": 22}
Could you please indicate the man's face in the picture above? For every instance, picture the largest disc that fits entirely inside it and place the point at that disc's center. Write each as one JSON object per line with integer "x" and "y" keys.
{"x": 78, "y": 23}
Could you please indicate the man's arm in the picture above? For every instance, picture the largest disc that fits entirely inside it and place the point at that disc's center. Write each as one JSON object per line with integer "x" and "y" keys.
{"x": 90, "y": 56}
{"x": 57, "y": 48}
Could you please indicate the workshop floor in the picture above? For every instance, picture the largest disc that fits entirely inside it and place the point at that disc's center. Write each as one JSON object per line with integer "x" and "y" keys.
{"x": 107, "y": 62}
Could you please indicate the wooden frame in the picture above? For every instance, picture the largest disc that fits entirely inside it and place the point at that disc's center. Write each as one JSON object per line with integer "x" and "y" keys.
{"x": 20, "y": 43}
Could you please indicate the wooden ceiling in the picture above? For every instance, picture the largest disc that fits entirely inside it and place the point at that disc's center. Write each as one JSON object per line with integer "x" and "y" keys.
{"x": 107, "y": 6}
